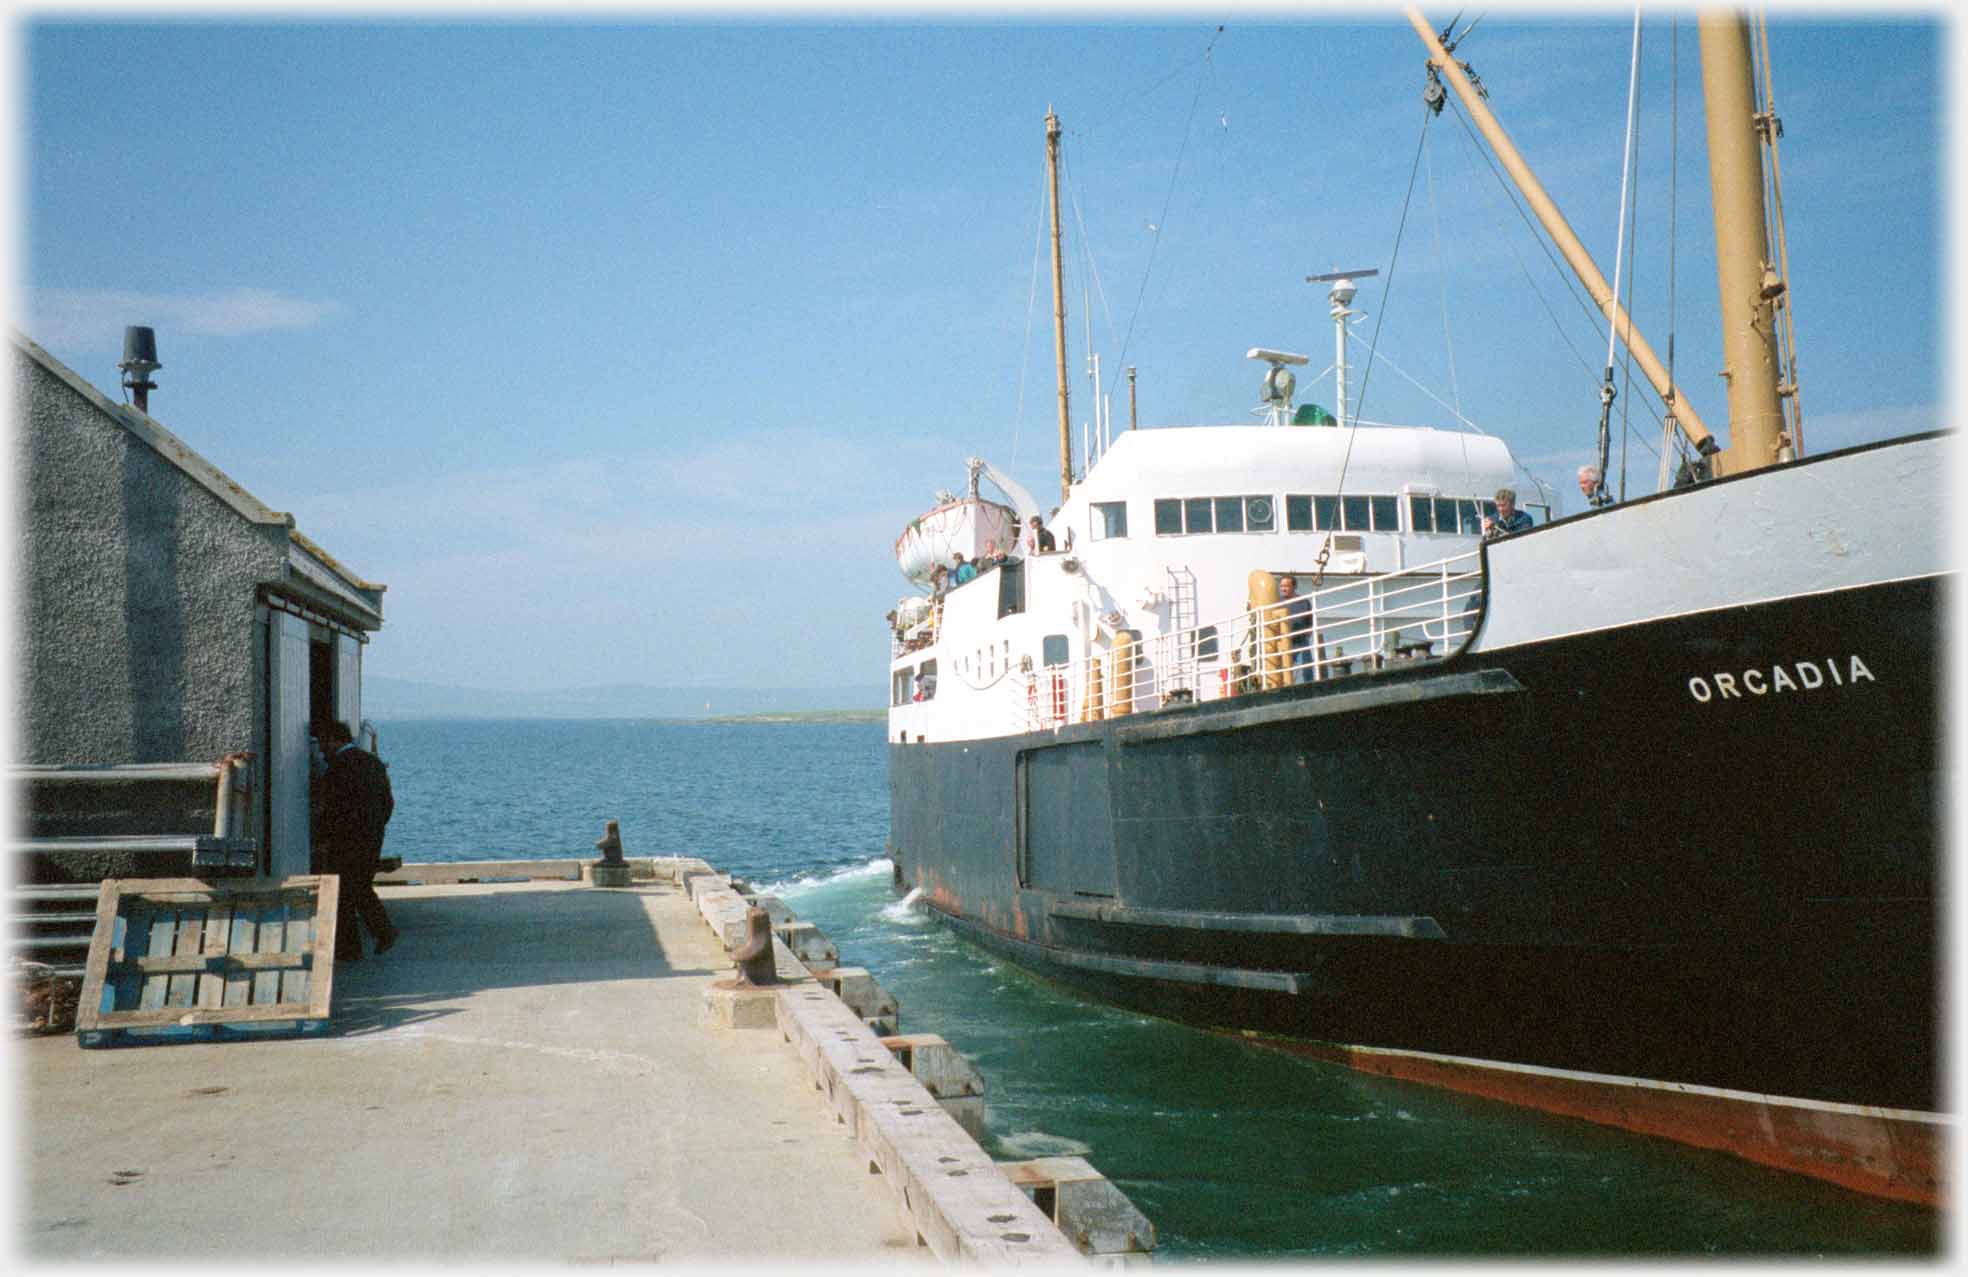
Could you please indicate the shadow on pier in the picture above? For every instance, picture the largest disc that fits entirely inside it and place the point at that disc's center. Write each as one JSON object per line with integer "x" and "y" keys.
{"x": 456, "y": 943}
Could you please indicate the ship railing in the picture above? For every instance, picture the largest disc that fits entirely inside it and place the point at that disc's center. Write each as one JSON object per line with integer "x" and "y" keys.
{"x": 918, "y": 634}
{"x": 1412, "y": 615}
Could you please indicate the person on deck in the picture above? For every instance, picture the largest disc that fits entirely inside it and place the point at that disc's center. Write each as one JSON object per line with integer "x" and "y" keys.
{"x": 1509, "y": 519}
{"x": 355, "y": 805}
{"x": 1592, "y": 487}
{"x": 1038, "y": 540}
{"x": 1297, "y": 611}
{"x": 961, "y": 572}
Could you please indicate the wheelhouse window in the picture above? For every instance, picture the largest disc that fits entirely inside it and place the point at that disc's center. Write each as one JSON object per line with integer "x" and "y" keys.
{"x": 1458, "y": 515}
{"x": 902, "y": 687}
{"x": 1206, "y": 643}
{"x": 1052, "y": 649}
{"x": 1189, "y": 516}
{"x": 1444, "y": 516}
{"x": 1307, "y": 512}
{"x": 1110, "y": 520}
{"x": 926, "y": 681}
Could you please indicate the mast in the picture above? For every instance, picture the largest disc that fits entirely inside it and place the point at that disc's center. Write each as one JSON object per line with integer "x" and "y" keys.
{"x": 1561, "y": 234}
{"x": 1059, "y": 311}
{"x": 1749, "y": 285}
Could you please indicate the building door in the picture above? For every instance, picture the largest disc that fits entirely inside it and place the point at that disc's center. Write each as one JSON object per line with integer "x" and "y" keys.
{"x": 348, "y": 683}
{"x": 287, "y": 744}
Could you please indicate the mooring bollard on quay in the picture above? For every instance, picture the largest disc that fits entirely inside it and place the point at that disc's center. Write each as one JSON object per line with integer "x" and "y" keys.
{"x": 914, "y": 1104}
{"x": 612, "y": 870}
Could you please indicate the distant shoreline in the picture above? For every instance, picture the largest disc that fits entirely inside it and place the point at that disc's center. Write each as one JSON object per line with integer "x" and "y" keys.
{"x": 788, "y": 717}
{"x": 799, "y": 716}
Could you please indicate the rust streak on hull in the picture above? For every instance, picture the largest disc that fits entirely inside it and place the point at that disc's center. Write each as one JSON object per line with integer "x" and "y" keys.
{"x": 1890, "y": 1153}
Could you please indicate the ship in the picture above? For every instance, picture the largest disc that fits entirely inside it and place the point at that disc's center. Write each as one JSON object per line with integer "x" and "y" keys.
{"x": 1633, "y": 816}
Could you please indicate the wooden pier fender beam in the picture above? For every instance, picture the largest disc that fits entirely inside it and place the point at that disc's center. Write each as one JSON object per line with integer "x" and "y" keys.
{"x": 1095, "y": 1216}
{"x": 961, "y": 1207}
{"x": 688, "y": 869}
{"x": 951, "y": 1080}
{"x": 723, "y": 911}
{"x": 808, "y": 941}
{"x": 774, "y": 907}
{"x": 867, "y": 999}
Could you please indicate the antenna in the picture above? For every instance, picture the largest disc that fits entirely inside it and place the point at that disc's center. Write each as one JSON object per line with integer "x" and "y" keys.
{"x": 1279, "y": 383}
{"x": 1342, "y": 297}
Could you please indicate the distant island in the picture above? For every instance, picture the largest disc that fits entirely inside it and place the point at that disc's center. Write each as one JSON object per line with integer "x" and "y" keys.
{"x": 807, "y": 716}
{"x": 393, "y": 699}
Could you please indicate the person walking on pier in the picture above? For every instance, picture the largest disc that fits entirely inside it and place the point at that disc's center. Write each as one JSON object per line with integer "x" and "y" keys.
{"x": 355, "y": 805}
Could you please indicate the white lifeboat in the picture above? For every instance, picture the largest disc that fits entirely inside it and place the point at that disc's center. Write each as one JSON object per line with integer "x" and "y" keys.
{"x": 958, "y": 526}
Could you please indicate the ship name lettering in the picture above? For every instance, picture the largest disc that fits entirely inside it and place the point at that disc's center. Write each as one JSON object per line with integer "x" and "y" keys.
{"x": 1805, "y": 676}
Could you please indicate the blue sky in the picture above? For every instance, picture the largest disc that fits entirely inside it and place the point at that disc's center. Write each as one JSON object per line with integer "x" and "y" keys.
{"x": 621, "y": 348}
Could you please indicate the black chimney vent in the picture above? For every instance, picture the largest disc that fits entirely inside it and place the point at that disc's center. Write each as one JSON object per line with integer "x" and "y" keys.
{"x": 139, "y": 359}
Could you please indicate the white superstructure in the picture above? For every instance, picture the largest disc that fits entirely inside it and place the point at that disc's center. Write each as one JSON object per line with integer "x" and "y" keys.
{"x": 1157, "y": 544}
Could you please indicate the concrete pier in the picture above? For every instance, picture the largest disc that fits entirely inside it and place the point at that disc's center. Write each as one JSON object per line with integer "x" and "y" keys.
{"x": 525, "y": 1076}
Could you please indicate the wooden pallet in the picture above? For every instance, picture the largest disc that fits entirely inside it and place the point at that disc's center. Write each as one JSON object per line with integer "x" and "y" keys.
{"x": 178, "y": 957}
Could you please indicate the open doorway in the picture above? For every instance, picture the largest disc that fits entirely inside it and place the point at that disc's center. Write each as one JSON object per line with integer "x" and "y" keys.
{"x": 314, "y": 677}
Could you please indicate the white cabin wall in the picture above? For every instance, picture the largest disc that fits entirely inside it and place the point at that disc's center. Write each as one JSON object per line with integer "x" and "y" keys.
{"x": 1131, "y": 575}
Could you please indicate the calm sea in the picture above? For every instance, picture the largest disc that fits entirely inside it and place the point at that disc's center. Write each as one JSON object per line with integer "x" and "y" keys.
{"x": 1234, "y": 1152}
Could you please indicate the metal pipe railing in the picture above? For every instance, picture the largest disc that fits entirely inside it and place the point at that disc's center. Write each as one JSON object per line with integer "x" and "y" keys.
{"x": 1418, "y": 613}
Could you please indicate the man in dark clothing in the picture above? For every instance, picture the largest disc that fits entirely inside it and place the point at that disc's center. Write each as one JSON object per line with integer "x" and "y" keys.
{"x": 1508, "y": 519}
{"x": 1040, "y": 538}
{"x": 355, "y": 805}
{"x": 1297, "y": 611}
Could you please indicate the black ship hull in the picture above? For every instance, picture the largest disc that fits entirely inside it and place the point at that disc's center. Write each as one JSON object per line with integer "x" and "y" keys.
{"x": 1512, "y": 866}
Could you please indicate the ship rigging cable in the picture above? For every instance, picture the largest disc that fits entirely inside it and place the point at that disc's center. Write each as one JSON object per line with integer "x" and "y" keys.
{"x": 1031, "y": 308}
{"x": 1501, "y": 184}
{"x": 1168, "y": 200}
{"x": 1448, "y": 334}
{"x": 1668, "y": 432}
{"x": 1380, "y": 317}
{"x": 1621, "y": 219}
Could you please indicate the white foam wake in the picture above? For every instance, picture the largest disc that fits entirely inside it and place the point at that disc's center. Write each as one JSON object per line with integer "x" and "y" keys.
{"x": 904, "y": 910}
{"x": 879, "y": 867}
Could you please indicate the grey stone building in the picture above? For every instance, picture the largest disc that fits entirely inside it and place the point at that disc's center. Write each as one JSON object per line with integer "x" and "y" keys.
{"x": 165, "y": 619}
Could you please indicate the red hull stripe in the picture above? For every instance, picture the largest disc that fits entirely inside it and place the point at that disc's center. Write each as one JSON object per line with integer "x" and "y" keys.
{"x": 1894, "y": 1153}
